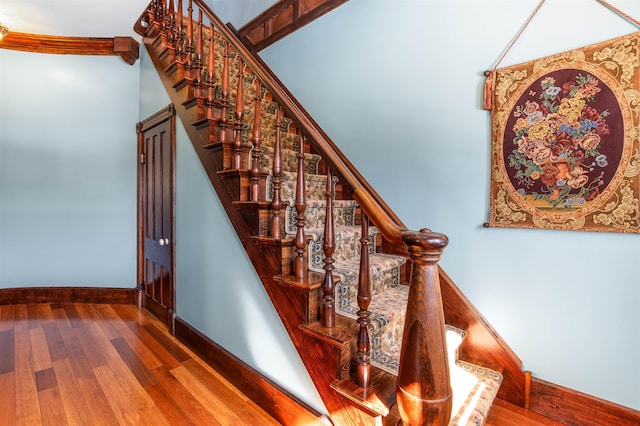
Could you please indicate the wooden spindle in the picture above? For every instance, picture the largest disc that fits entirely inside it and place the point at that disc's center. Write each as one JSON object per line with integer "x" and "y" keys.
{"x": 423, "y": 388}
{"x": 171, "y": 30}
{"x": 151, "y": 12}
{"x": 166, "y": 26}
{"x": 237, "y": 141}
{"x": 179, "y": 42}
{"x": 363, "y": 343}
{"x": 328, "y": 287}
{"x": 189, "y": 43}
{"x": 276, "y": 202}
{"x": 211, "y": 75}
{"x": 255, "y": 139}
{"x": 161, "y": 13}
{"x": 155, "y": 14}
{"x": 224, "y": 102}
{"x": 198, "y": 63}
{"x": 300, "y": 265}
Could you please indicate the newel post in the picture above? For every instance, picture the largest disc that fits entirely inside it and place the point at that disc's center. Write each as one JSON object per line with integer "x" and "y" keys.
{"x": 423, "y": 388}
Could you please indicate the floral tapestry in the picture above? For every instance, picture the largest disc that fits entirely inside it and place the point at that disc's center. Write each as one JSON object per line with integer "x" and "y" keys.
{"x": 565, "y": 140}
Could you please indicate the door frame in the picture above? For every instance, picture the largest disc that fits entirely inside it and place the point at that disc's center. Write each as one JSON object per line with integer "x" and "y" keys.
{"x": 166, "y": 114}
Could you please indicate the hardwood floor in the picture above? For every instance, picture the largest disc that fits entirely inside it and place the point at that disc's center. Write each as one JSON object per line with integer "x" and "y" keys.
{"x": 112, "y": 364}
{"x": 94, "y": 364}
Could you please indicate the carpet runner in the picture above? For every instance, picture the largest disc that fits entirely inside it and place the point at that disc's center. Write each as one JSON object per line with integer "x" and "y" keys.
{"x": 474, "y": 387}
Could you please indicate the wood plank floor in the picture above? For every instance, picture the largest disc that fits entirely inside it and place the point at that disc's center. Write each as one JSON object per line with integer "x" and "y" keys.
{"x": 83, "y": 364}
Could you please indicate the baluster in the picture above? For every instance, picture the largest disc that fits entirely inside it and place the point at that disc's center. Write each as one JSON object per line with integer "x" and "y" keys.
{"x": 170, "y": 31}
{"x": 423, "y": 390}
{"x": 151, "y": 12}
{"x": 256, "y": 136}
{"x": 211, "y": 75}
{"x": 301, "y": 221}
{"x": 276, "y": 204}
{"x": 179, "y": 41}
{"x": 155, "y": 14}
{"x": 160, "y": 14}
{"x": 224, "y": 103}
{"x": 197, "y": 68}
{"x": 363, "y": 366}
{"x": 237, "y": 142}
{"x": 328, "y": 307}
{"x": 189, "y": 44}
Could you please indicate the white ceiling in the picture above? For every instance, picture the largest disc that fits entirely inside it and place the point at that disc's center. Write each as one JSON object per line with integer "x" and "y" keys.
{"x": 80, "y": 18}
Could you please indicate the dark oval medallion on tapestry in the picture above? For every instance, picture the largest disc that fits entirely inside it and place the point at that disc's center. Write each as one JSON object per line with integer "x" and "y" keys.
{"x": 563, "y": 141}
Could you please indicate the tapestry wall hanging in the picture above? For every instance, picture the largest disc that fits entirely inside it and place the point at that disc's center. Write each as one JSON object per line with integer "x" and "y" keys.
{"x": 564, "y": 151}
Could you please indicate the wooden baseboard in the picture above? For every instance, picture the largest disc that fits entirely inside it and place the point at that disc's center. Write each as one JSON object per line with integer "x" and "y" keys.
{"x": 575, "y": 408}
{"x": 276, "y": 401}
{"x": 31, "y": 295}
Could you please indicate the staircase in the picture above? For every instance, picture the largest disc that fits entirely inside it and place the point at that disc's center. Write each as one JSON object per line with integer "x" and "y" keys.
{"x": 361, "y": 296}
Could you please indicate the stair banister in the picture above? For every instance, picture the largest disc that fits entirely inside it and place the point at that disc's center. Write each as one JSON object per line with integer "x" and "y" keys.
{"x": 423, "y": 389}
{"x": 198, "y": 65}
{"x": 276, "y": 202}
{"x": 171, "y": 32}
{"x": 256, "y": 136}
{"x": 328, "y": 287}
{"x": 363, "y": 343}
{"x": 300, "y": 264}
{"x": 239, "y": 113}
{"x": 189, "y": 43}
{"x": 211, "y": 72}
{"x": 224, "y": 101}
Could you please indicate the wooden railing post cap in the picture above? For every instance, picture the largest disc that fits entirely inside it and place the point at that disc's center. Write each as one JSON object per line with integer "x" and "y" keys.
{"x": 425, "y": 240}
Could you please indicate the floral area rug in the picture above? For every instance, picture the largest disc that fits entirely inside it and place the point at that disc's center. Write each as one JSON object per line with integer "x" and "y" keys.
{"x": 565, "y": 140}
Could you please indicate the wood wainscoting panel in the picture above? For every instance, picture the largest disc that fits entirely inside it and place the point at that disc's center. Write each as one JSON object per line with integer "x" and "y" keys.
{"x": 576, "y": 408}
{"x": 34, "y": 295}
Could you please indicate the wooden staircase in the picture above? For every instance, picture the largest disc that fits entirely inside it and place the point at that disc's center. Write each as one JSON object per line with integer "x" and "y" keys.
{"x": 300, "y": 207}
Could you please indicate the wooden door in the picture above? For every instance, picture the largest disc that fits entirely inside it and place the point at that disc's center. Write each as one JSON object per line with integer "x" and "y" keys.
{"x": 156, "y": 154}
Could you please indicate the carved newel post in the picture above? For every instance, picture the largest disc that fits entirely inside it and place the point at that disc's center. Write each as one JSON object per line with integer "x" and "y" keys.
{"x": 423, "y": 388}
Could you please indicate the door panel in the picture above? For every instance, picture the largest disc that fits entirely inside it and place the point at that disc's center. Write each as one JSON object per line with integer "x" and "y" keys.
{"x": 156, "y": 144}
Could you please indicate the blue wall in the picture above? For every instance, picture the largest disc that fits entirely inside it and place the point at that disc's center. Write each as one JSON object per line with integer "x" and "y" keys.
{"x": 217, "y": 289}
{"x": 397, "y": 86}
{"x": 67, "y": 170}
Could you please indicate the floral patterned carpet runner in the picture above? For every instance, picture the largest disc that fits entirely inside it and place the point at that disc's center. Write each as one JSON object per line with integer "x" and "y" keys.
{"x": 565, "y": 140}
{"x": 474, "y": 387}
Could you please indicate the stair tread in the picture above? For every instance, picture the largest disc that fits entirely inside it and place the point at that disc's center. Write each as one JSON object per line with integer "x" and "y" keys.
{"x": 343, "y": 333}
{"x": 474, "y": 388}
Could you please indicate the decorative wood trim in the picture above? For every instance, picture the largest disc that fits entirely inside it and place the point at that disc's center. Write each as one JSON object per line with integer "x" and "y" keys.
{"x": 32, "y": 295}
{"x": 125, "y": 47}
{"x": 156, "y": 118}
{"x": 575, "y": 408}
{"x": 283, "y": 18}
{"x": 276, "y": 401}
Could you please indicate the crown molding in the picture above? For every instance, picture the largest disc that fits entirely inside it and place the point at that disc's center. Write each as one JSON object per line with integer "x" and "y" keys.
{"x": 125, "y": 47}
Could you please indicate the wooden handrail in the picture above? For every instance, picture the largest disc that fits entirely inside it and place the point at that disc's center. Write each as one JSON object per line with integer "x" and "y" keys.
{"x": 341, "y": 166}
